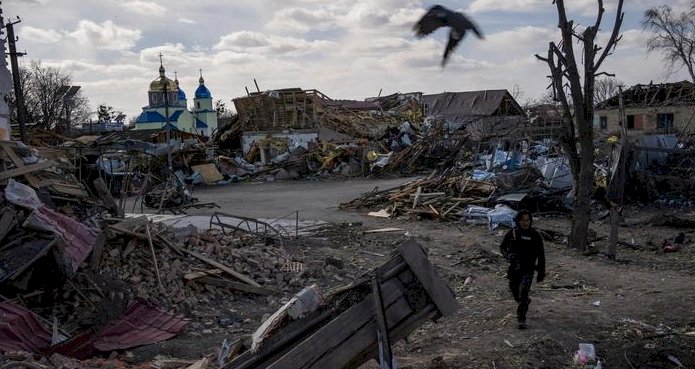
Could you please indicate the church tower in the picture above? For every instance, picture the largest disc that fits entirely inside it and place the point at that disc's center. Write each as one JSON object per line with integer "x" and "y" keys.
{"x": 163, "y": 91}
{"x": 205, "y": 115}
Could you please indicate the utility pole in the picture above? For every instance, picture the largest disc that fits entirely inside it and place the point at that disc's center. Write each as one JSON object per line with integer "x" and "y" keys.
{"x": 18, "y": 93}
{"x": 166, "y": 116}
{"x": 616, "y": 186}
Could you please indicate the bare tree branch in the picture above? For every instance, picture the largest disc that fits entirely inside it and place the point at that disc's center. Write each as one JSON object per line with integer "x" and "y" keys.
{"x": 673, "y": 35}
{"x": 614, "y": 36}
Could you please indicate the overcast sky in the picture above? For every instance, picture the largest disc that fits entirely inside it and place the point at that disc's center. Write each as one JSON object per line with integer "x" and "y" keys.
{"x": 344, "y": 48}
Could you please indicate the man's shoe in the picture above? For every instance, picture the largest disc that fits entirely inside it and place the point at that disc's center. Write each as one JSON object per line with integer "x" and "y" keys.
{"x": 522, "y": 324}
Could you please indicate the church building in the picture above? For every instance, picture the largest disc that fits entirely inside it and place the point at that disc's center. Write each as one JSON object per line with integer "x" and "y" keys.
{"x": 167, "y": 108}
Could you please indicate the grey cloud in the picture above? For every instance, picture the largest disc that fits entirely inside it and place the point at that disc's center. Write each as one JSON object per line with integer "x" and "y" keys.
{"x": 106, "y": 35}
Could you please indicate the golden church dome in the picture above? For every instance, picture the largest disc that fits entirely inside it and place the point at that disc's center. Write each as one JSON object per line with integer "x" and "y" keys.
{"x": 159, "y": 83}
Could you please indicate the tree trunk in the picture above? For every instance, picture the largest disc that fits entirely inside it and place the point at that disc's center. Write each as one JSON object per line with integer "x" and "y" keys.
{"x": 578, "y": 237}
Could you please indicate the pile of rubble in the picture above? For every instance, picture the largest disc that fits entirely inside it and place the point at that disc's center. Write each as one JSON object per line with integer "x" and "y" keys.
{"x": 70, "y": 261}
{"x": 191, "y": 267}
{"x": 443, "y": 196}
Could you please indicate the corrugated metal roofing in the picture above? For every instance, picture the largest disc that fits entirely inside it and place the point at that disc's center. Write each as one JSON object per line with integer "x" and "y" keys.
{"x": 141, "y": 324}
{"x": 79, "y": 347}
{"x": 21, "y": 330}
{"x": 78, "y": 239}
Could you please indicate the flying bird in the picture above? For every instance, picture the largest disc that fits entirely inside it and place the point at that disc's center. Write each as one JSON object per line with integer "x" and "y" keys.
{"x": 439, "y": 16}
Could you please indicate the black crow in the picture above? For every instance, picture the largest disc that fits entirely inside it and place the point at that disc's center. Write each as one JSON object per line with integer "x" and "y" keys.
{"x": 439, "y": 16}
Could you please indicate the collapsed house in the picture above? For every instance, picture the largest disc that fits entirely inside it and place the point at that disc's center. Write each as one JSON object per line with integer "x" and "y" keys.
{"x": 481, "y": 113}
{"x": 300, "y": 115}
{"x": 650, "y": 109}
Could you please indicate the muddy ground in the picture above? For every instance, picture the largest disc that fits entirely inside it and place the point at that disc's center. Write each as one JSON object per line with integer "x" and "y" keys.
{"x": 638, "y": 310}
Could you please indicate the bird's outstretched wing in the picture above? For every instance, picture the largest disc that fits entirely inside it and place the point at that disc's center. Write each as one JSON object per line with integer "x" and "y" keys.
{"x": 439, "y": 16}
{"x": 434, "y": 18}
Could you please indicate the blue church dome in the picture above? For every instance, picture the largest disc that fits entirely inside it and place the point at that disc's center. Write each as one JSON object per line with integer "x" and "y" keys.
{"x": 202, "y": 92}
{"x": 182, "y": 95}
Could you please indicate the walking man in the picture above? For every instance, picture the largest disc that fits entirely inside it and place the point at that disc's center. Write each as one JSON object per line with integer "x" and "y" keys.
{"x": 523, "y": 248}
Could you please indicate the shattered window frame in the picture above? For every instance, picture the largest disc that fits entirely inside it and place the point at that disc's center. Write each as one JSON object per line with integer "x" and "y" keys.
{"x": 630, "y": 121}
{"x": 665, "y": 120}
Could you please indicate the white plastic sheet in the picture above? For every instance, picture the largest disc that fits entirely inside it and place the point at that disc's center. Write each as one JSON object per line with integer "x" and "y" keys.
{"x": 500, "y": 215}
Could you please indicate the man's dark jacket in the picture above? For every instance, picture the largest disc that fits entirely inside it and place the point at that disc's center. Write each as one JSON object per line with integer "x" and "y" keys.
{"x": 523, "y": 248}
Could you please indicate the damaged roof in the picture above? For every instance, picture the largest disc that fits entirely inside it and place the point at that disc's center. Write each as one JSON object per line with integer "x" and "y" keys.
{"x": 459, "y": 106}
{"x": 661, "y": 94}
{"x": 355, "y": 104}
{"x": 141, "y": 324}
{"x": 20, "y": 330}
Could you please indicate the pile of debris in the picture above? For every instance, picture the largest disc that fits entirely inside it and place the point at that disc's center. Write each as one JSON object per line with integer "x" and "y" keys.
{"x": 190, "y": 267}
{"x": 438, "y": 196}
{"x": 69, "y": 256}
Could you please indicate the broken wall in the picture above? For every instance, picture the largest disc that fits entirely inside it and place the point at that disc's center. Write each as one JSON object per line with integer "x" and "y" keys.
{"x": 646, "y": 119}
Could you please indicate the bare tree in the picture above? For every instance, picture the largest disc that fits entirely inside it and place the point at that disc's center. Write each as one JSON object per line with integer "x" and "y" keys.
{"x": 577, "y": 139}
{"x": 673, "y": 36}
{"x": 45, "y": 100}
{"x": 605, "y": 88}
{"x": 519, "y": 95}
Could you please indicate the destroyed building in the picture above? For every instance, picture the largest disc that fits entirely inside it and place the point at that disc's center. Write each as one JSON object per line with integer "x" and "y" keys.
{"x": 307, "y": 114}
{"x": 654, "y": 108}
{"x": 481, "y": 113}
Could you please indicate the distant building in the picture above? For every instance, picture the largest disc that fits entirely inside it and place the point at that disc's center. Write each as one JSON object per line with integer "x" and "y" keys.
{"x": 652, "y": 108}
{"x": 99, "y": 127}
{"x": 167, "y": 108}
{"x": 481, "y": 113}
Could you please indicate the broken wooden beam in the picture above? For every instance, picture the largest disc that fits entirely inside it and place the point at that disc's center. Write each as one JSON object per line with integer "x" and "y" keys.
{"x": 215, "y": 264}
{"x": 243, "y": 287}
{"x": 26, "y": 169}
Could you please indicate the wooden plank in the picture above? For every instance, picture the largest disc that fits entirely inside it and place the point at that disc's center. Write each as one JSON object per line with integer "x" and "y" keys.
{"x": 7, "y": 221}
{"x": 237, "y": 286}
{"x": 430, "y": 194}
{"x": 19, "y": 163}
{"x": 397, "y": 333}
{"x": 69, "y": 190}
{"x": 105, "y": 195}
{"x": 436, "y": 288}
{"x": 364, "y": 339}
{"x": 383, "y": 230}
{"x": 199, "y": 274}
{"x": 383, "y": 337}
{"x": 332, "y": 335}
{"x": 26, "y": 169}
{"x": 98, "y": 251}
{"x": 417, "y": 196}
